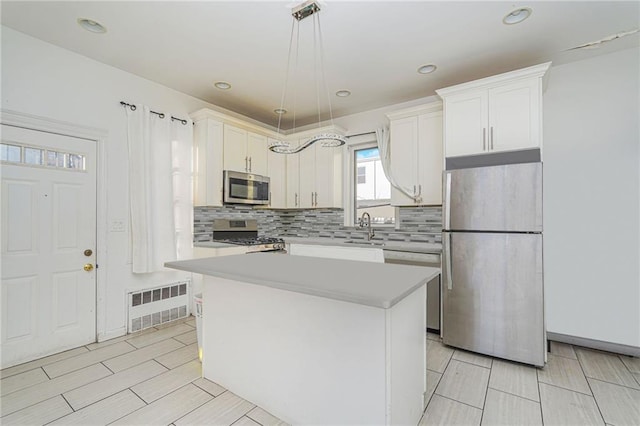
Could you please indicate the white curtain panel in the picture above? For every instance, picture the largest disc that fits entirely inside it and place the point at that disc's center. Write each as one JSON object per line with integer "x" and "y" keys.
{"x": 160, "y": 202}
{"x": 384, "y": 148}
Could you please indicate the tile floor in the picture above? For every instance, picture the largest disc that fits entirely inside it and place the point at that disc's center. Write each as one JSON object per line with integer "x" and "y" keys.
{"x": 153, "y": 377}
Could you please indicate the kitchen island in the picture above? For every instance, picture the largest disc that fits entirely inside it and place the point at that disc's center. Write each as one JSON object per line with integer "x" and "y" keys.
{"x": 314, "y": 340}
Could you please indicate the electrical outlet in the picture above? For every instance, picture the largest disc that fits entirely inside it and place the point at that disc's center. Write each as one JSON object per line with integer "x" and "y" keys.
{"x": 117, "y": 226}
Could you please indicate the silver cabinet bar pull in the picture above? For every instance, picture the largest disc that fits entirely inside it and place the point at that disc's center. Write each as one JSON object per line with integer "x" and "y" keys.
{"x": 246, "y": 164}
{"x": 296, "y": 202}
{"x": 484, "y": 138}
{"x": 250, "y": 165}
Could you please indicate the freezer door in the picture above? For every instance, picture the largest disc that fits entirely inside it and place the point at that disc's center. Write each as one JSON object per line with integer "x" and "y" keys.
{"x": 499, "y": 198}
{"x": 493, "y": 295}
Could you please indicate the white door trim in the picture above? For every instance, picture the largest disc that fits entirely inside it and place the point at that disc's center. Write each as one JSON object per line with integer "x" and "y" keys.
{"x": 100, "y": 136}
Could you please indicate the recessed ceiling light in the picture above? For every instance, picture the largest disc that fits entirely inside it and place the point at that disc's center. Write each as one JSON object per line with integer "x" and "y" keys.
{"x": 427, "y": 69}
{"x": 280, "y": 111}
{"x": 91, "y": 25}
{"x": 517, "y": 16}
{"x": 343, "y": 93}
{"x": 222, "y": 85}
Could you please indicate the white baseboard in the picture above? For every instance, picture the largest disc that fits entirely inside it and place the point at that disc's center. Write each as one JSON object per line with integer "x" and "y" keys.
{"x": 112, "y": 334}
{"x": 617, "y": 348}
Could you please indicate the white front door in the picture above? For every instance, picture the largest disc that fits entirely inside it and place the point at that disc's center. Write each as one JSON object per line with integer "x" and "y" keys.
{"x": 48, "y": 243}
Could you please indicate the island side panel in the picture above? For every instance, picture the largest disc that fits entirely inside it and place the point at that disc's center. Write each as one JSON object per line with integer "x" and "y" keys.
{"x": 306, "y": 359}
{"x": 407, "y": 358}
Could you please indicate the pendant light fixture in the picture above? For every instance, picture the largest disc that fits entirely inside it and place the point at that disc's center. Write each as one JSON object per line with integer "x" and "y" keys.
{"x": 300, "y": 12}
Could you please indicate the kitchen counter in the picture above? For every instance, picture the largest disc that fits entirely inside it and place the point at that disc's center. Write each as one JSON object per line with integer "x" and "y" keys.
{"x": 316, "y": 340}
{"x": 406, "y": 246}
{"x": 373, "y": 284}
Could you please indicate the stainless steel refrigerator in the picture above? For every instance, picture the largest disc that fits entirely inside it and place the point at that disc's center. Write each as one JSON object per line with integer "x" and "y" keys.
{"x": 492, "y": 269}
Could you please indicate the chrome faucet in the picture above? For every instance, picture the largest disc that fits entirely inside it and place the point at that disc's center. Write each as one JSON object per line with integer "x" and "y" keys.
{"x": 370, "y": 232}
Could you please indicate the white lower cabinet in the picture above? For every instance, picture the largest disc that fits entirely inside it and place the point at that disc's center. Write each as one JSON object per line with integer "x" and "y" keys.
{"x": 416, "y": 155}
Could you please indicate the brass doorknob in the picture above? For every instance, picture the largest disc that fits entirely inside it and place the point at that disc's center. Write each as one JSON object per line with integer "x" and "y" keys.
{"x": 88, "y": 267}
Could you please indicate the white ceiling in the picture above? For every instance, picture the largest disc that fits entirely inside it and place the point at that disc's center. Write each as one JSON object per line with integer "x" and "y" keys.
{"x": 371, "y": 48}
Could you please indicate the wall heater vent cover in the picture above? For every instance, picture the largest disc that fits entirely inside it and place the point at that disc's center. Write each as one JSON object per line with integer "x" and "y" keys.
{"x": 158, "y": 305}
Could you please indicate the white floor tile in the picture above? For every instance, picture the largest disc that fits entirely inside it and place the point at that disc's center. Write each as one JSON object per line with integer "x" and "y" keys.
{"x": 38, "y": 414}
{"x": 438, "y": 356}
{"x": 105, "y": 411}
{"x": 32, "y": 395}
{"x": 246, "y": 421}
{"x": 563, "y": 407}
{"x": 606, "y": 367}
{"x": 433, "y": 378}
{"x": 165, "y": 333}
{"x": 179, "y": 356}
{"x": 167, "y": 382}
{"x": 88, "y": 358}
{"x": 144, "y": 354}
{"x": 565, "y": 373}
{"x": 187, "y": 338}
{"x": 433, "y": 336}
{"x": 633, "y": 364}
{"x": 514, "y": 378}
{"x": 471, "y": 358}
{"x": 209, "y": 386}
{"x": 264, "y": 418}
{"x": 97, "y": 390}
{"x": 563, "y": 349}
{"x": 98, "y": 345}
{"x": 21, "y": 368}
{"x": 464, "y": 383}
{"x": 222, "y": 411}
{"x": 619, "y": 405}
{"x": 22, "y": 380}
{"x": 169, "y": 408}
{"x": 446, "y": 412}
{"x": 506, "y": 409}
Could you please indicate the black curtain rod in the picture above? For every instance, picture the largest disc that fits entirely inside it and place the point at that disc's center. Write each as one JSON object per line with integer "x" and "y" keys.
{"x": 159, "y": 114}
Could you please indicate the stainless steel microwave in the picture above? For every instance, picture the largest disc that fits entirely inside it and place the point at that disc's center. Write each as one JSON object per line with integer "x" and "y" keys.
{"x": 245, "y": 188}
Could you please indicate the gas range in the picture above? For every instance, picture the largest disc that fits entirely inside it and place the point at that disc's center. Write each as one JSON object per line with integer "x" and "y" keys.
{"x": 245, "y": 233}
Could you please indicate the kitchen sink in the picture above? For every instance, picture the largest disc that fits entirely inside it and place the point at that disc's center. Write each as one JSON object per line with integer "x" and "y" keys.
{"x": 366, "y": 243}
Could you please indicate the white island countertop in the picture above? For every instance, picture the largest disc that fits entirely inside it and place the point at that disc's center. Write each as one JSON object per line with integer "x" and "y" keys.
{"x": 367, "y": 283}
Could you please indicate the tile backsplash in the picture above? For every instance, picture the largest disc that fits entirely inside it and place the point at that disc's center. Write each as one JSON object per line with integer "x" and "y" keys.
{"x": 418, "y": 224}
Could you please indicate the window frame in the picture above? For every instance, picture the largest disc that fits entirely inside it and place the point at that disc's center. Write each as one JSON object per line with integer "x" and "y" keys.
{"x": 351, "y": 177}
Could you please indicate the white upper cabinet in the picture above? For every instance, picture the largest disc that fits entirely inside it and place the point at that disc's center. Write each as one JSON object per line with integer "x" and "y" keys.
{"x": 207, "y": 141}
{"x": 244, "y": 151}
{"x": 499, "y": 113}
{"x": 416, "y": 155}
{"x": 277, "y": 172}
{"x": 320, "y": 177}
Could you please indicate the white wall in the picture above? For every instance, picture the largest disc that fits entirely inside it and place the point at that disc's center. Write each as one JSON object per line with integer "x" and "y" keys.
{"x": 592, "y": 183}
{"x": 592, "y": 198}
{"x": 41, "y": 79}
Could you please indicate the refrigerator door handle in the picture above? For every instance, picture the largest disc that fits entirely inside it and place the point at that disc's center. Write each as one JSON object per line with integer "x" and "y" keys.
{"x": 447, "y": 200}
{"x": 447, "y": 259}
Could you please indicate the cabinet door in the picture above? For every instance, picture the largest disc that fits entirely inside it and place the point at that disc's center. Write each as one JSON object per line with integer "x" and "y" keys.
{"x": 429, "y": 157}
{"x": 208, "y": 144}
{"x": 257, "y": 150}
{"x": 324, "y": 166}
{"x": 235, "y": 149}
{"x": 404, "y": 140}
{"x": 277, "y": 172}
{"x": 514, "y": 115}
{"x": 466, "y": 121}
{"x": 293, "y": 178}
{"x": 307, "y": 176}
